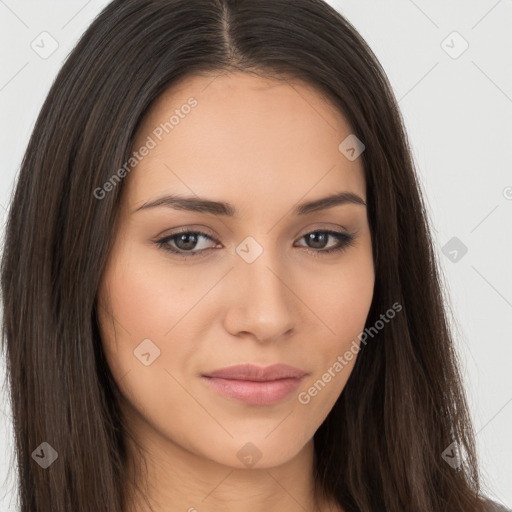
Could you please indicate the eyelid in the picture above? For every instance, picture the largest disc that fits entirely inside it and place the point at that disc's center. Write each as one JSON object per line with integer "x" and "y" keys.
{"x": 202, "y": 230}
{"x": 324, "y": 226}
{"x": 193, "y": 228}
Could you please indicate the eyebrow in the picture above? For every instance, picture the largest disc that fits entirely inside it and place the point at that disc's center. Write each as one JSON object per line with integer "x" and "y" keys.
{"x": 202, "y": 205}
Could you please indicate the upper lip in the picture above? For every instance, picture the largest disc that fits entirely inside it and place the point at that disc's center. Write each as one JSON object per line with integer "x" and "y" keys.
{"x": 257, "y": 373}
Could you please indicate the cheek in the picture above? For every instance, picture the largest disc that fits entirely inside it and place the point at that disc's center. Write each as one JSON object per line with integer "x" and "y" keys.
{"x": 152, "y": 299}
{"x": 147, "y": 296}
{"x": 341, "y": 300}
{"x": 138, "y": 304}
{"x": 341, "y": 297}
{"x": 139, "y": 308}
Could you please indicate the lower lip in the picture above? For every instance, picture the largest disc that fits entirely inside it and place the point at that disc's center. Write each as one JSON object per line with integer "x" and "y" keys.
{"x": 254, "y": 393}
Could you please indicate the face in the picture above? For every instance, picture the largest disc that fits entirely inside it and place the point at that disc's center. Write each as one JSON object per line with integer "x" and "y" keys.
{"x": 192, "y": 287}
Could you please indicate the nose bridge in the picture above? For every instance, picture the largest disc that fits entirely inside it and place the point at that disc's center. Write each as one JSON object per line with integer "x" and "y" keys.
{"x": 262, "y": 300}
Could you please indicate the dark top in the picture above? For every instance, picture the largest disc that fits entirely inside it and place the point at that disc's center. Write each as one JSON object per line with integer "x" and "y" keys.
{"x": 496, "y": 507}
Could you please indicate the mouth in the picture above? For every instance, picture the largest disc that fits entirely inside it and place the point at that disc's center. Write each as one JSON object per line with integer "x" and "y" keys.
{"x": 255, "y": 385}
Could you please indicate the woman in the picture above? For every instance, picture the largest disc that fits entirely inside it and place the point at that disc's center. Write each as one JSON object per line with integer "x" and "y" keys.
{"x": 218, "y": 280}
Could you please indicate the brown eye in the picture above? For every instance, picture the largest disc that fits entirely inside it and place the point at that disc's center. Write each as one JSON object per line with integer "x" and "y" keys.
{"x": 183, "y": 243}
{"x": 317, "y": 240}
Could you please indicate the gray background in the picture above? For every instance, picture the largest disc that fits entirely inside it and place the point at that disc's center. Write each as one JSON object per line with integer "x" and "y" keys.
{"x": 457, "y": 106}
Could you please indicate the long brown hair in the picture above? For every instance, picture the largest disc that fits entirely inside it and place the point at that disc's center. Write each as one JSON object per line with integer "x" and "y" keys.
{"x": 381, "y": 447}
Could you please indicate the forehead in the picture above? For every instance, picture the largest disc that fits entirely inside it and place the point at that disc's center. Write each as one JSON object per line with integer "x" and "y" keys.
{"x": 224, "y": 136}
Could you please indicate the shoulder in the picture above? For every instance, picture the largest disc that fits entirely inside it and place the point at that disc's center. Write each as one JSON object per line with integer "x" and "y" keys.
{"x": 496, "y": 507}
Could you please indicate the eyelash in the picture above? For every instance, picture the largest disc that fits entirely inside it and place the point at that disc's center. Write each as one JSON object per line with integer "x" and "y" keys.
{"x": 345, "y": 240}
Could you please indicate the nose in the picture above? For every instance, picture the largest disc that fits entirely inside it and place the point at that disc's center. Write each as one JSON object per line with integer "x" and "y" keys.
{"x": 262, "y": 302}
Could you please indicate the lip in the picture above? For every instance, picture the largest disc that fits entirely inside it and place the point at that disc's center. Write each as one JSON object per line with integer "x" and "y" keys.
{"x": 255, "y": 385}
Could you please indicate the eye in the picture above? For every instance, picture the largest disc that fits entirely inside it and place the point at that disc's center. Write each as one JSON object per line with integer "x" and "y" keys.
{"x": 183, "y": 242}
{"x": 320, "y": 237}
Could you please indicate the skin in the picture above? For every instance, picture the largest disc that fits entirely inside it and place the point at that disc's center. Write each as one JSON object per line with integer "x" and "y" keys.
{"x": 262, "y": 146}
